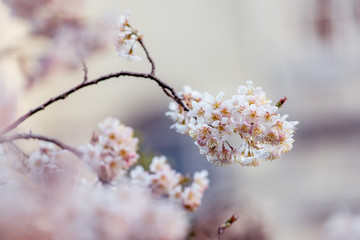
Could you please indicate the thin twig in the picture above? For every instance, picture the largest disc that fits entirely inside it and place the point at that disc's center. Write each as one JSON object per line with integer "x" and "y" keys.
{"x": 167, "y": 89}
{"x": 153, "y": 68}
{"x": 18, "y": 150}
{"x": 40, "y": 137}
{"x": 229, "y": 145}
{"x": 85, "y": 69}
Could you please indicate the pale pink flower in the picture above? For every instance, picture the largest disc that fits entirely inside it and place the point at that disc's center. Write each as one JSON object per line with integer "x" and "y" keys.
{"x": 213, "y": 121}
{"x": 163, "y": 181}
{"x": 111, "y": 153}
{"x": 125, "y": 41}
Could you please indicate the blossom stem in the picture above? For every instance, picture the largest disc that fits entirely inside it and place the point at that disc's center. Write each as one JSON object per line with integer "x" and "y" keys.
{"x": 232, "y": 149}
{"x": 42, "y": 138}
{"x": 153, "y": 68}
{"x": 85, "y": 69}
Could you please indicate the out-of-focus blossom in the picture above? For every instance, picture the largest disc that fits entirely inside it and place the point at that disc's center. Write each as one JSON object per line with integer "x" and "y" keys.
{"x": 342, "y": 226}
{"x": 127, "y": 36}
{"x": 46, "y": 16}
{"x": 164, "y": 181}
{"x": 123, "y": 212}
{"x": 52, "y": 166}
{"x": 20, "y": 206}
{"x": 83, "y": 212}
{"x": 213, "y": 121}
{"x": 7, "y": 106}
{"x": 64, "y": 28}
{"x": 111, "y": 153}
{"x": 3, "y": 171}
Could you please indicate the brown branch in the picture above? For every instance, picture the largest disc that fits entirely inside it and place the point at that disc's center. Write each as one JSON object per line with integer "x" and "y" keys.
{"x": 85, "y": 69}
{"x": 42, "y": 138}
{"x": 167, "y": 89}
{"x": 229, "y": 145}
{"x": 153, "y": 68}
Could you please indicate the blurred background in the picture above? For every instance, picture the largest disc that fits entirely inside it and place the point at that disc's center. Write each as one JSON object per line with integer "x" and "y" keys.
{"x": 306, "y": 50}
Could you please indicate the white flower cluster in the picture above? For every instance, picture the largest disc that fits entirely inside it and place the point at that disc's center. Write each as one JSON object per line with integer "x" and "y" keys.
{"x": 126, "y": 38}
{"x": 163, "y": 180}
{"x": 213, "y": 121}
{"x": 49, "y": 164}
{"x": 64, "y": 202}
{"x": 119, "y": 213}
{"x": 342, "y": 226}
{"x": 111, "y": 153}
{"x": 87, "y": 212}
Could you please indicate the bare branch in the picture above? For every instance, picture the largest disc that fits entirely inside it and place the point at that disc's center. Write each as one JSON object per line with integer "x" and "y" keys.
{"x": 42, "y": 138}
{"x": 153, "y": 68}
{"x": 167, "y": 89}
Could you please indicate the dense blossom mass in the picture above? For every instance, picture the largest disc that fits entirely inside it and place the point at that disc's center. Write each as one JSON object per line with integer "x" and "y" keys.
{"x": 213, "y": 122}
{"x": 66, "y": 31}
{"x": 81, "y": 211}
{"x": 61, "y": 194}
{"x": 112, "y": 152}
{"x": 125, "y": 41}
{"x": 50, "y": 165}
{"x": 164, "y": 181}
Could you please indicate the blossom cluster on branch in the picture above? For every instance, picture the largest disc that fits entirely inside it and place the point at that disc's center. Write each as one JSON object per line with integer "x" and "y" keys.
{"x": 78, "y": 210}
{"x": 60, "y": 192}
{"x": 110, "y": 155}
{"x": 212, "y": 121}
{"x": 127, "y": 36}
{"x": 164, "y": 181}
{"x": 112, "y": 152}
{"x": 49, "y": 165}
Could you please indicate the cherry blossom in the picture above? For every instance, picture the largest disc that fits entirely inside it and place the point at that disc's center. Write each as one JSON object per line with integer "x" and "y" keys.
{"x": 125, "y": 41}
{"x": 162, "y": 180}
{"x": 213, "y": 121}
{"x": 112, "y": 152}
